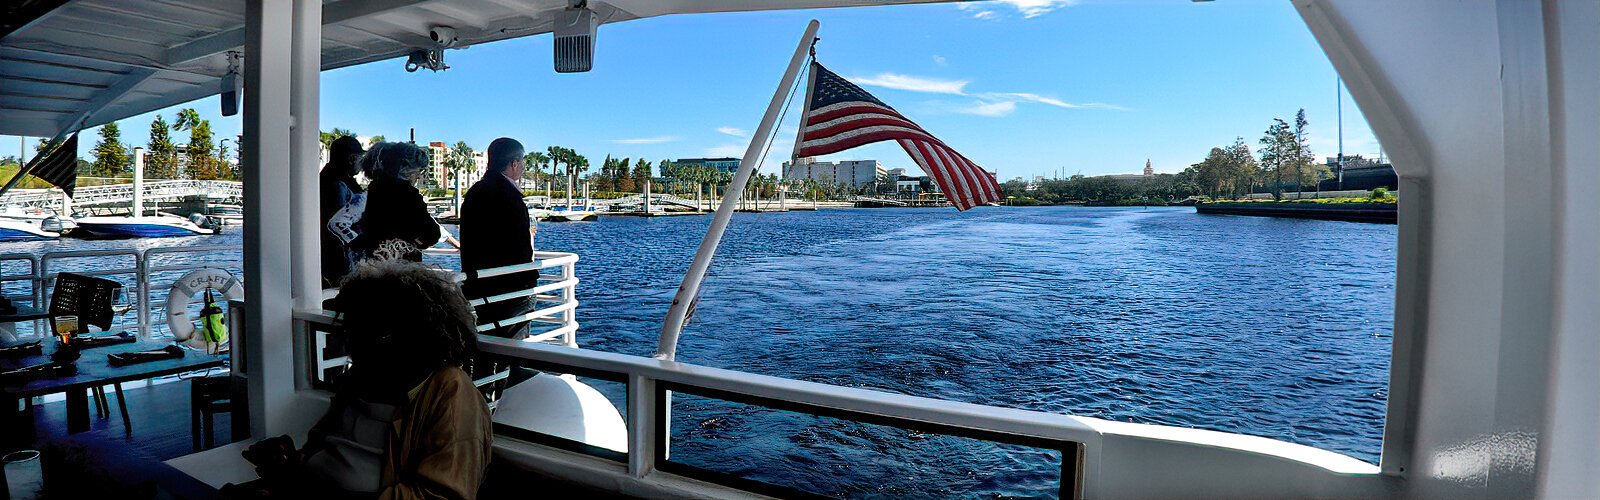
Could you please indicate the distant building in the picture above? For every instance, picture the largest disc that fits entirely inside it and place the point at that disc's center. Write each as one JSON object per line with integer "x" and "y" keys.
{"x": 855, "y": 173}
{"x": 1034, "y": 184}
{"x": 439, "y": 174}
{"x": 729, "y": 165}
{"x": 1360, "y": 173}
{"x": 1149, "y": 172}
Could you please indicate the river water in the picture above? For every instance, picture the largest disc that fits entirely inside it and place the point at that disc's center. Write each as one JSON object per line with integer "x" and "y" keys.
{"x": 1270, "y": 327}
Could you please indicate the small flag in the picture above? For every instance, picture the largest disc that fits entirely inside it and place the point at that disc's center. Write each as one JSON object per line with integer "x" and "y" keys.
{"x": 60, "y": 168}
{"x": 840, "y": 116}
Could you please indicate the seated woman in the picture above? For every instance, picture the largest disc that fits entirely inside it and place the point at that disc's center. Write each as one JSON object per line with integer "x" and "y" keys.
{"x": 406, "y": 421}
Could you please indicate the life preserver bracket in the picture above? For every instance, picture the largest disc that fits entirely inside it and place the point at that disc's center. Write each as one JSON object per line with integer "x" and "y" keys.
{"x": 183, "y": 292}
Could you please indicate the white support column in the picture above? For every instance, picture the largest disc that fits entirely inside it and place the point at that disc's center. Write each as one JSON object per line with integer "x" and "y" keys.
{"x": 305, "y": 90}
{"x": 138, "y": 182}
{"x": 641, "y": 425}
{"x": 268, "y": 312}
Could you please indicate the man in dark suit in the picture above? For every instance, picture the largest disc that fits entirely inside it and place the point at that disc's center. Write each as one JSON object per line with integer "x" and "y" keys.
{"x": 496, "y": 232}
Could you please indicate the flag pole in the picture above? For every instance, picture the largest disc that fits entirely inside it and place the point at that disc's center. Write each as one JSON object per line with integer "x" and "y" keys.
{"x": 667, "y": 349}
{"x": 811, "y": 85}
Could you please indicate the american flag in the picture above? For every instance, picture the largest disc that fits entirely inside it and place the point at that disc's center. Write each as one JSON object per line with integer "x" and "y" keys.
{"x": 60, "y": 168}
{"x": 840, "y": 116}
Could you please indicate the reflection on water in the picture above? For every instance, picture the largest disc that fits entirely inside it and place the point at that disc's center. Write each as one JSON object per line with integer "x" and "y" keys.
{"x": 1270, "y": 327}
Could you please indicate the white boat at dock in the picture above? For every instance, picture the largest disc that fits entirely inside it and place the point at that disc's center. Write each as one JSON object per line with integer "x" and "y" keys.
{"x": 128, "y": 226}
{"x": 23, "y": 230}
{"x": 20, "y": 223}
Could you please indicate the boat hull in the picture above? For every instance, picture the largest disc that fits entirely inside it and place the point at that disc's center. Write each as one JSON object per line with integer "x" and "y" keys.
{"x": 123, "y": 227}
{"x": 22, "y": 231}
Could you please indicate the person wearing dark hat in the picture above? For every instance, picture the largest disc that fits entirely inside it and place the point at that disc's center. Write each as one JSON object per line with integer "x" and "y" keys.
{"x": 338, "y": 190}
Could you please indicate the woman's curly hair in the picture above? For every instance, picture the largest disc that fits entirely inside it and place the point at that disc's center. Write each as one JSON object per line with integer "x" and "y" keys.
{"x": 409, "y": 312}
{"x": 394, "y": 160}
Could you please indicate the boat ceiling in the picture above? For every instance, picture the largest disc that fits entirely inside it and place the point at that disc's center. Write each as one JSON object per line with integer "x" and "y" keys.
{"x": 84, "y": 63}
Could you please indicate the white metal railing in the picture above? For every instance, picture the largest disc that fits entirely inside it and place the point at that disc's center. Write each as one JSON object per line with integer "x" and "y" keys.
{"x": 655, "y": 199}
{"x": 142, "y": 270}
{"x": 115, "y": 194}
{"x": 553, "y": 319}
{"x": 26, "y": 278}
{"x": 555, "y": 313}
{"x": 650, "y": 382}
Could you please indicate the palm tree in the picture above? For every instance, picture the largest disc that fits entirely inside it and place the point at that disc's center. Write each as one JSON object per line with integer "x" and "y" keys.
{"x": 199, "y": 148}
{"x": 536, "y": 160}
{"x": 558, "y": 155}
{"x": 325, "y": 137}
{"x": 187, "y": 119}
{"x": 374, "y": 140}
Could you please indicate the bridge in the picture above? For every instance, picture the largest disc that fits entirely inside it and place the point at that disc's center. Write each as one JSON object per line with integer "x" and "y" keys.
{"x": 868, "y": 201}
{"x": 122, "y": 194}
{"x": 661, "y": 200}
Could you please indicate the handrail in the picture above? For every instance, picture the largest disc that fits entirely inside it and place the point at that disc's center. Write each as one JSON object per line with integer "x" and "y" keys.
{"x": 43, "y": 269}
{"x": 112, "y": 194}
{"x": 33, "y": 270}
{"x": 562, "y": 316}
{"x": 648, "y": 379}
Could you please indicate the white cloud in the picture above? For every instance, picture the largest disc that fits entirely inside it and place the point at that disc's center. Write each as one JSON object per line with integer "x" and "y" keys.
{"x": 940, "y": 60}
{"x": 725, "y": 150}
{"x": 988, "y": 103}
{"x": 645, "y": 140}
{"x": 733, "y": 131}
{"x": 1028, "y": 8}
{"x": 1028, "y": 97}
{"x": 913, "y": 83}
{"x": 981, "y": 108}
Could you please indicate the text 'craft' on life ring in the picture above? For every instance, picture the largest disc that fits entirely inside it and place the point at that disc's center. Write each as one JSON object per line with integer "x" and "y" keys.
{"x": 183, "y": 293}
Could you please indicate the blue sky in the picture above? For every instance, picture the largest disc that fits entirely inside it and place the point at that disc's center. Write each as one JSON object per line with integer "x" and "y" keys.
{"x": 1024, "y": 87}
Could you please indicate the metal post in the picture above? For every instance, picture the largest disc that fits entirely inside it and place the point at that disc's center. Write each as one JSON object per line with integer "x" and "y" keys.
{"x": 673, "y": 326}
{"x": 138, "y": 182}
{"x": 1338, "y": 92}
{"x": 304, "y": 101}
{"x": 268, "y": 309}
{"x": 642, "y": 425}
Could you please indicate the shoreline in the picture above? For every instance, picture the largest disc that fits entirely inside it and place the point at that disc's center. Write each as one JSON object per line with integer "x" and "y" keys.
{"x": 1374, "y": 213}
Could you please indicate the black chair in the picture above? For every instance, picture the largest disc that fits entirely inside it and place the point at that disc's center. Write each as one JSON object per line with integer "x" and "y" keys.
{"x": 90, "y": 299}
{"x": 208, "y": 396}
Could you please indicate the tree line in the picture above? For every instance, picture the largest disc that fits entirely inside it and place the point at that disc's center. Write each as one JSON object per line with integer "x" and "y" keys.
{"x": 1282, "y": 161}
{"x": 200, "y": 158}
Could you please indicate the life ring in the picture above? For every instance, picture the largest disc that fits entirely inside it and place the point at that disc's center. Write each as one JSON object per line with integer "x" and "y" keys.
{"x": 182, "y": 294}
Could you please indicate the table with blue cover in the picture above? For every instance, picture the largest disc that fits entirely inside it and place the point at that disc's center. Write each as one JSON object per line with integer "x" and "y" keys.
{"x": 93, "y": 370}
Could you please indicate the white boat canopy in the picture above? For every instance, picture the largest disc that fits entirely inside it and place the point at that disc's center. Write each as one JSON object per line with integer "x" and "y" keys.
{"x": 72, "y": 65}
